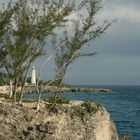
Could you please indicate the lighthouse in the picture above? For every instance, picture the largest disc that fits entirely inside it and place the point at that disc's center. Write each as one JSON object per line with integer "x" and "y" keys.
{"x": 33, "y": 76}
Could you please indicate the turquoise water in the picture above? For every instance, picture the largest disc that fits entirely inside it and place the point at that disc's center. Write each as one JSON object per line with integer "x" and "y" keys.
{"x": 123, "y": 105}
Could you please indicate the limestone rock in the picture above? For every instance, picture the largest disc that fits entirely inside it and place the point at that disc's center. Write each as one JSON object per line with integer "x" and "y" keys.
{"x": 49, "y": 127}
{"x": 75, "y": 121}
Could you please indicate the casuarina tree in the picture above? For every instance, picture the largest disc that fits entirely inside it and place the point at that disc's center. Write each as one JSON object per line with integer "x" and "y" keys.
{"x": 24, "y": 29}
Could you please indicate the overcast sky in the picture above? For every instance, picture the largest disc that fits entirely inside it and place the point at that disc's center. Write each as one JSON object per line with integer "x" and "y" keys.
{"x": 118, "y": 58}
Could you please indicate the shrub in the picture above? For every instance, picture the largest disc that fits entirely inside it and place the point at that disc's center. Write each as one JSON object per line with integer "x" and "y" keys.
{"x": 89, "y": 106}
{"x": 59, "y": 100}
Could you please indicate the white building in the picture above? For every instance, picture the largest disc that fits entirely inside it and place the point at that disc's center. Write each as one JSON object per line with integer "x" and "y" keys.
{"x": 33, "y": 76}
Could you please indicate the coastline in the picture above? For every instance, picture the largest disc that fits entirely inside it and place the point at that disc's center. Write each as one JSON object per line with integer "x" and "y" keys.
{"x": 48, "y": 89}
{"x": 31, "y": 104}
{"x": 74, "y": 121}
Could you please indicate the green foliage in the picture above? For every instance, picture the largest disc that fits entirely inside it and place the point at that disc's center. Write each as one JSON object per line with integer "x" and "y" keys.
{"x": 72, "y": 45}
{"x": 85, "y": 30}
{"x": 24, "y": 27}
{"x": 85, "y": 108}
{"x": 90, "y": 107}
{"x": 58, "y": 100}
{"x": 3, "y": 79}
{"x": 57, "y": 83}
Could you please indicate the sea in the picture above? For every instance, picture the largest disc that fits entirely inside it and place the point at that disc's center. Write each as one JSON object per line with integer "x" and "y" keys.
{"x": 123, "y": 104}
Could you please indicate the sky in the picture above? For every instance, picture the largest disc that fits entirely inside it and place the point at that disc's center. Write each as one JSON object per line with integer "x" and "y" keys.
{"x": 118, "y": 58}
{"x": 118, "y": 50}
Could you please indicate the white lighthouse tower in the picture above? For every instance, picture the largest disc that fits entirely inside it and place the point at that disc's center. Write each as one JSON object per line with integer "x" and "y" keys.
{"x": 33, "y": 76}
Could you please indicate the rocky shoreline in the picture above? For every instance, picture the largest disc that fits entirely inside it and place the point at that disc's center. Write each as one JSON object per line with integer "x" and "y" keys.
{"x": 47, "y": 89}
{"x": 74, "y": 121}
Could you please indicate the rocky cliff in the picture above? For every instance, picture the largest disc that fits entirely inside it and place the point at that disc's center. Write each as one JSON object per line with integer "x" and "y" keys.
{"x": 75, "y": 121}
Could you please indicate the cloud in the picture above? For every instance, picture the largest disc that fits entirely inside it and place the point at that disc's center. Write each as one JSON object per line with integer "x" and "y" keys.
{"x": 128, "y": 11}
{"x": 118, "y": 50}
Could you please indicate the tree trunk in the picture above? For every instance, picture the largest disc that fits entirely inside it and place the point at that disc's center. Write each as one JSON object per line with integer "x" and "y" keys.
{"x": 55, "y": 96}
{"x": 24, "y": 78}
{"x": 21, "y": 95}
{"x": 38, "y": 102}
{"x": 14, "y": 92}
{"x": 10, "y": 88}
{"x": 39, "y": 96}
{"x": 56, "y": 92}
